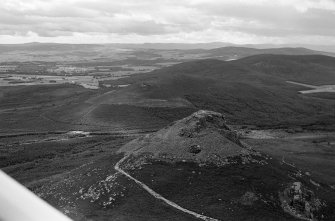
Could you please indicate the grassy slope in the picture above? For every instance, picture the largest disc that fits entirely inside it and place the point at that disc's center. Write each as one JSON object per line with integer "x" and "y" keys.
{"x": 23, "y": 108}
{"x": 249, "y": 91}
{"x": 68, "y": 107}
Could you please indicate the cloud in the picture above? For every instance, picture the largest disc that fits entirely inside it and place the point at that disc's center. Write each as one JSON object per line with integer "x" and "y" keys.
{"x": 235, "y": 21}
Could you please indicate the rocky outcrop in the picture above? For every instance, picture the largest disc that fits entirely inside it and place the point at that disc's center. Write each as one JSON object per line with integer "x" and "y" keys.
{"x": 203, "y": 136}
{"x": 300, "y": 201}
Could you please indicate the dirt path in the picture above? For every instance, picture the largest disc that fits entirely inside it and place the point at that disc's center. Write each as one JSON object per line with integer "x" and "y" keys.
{"x": 158, "y": 196}
{"x": 301, "y": 84}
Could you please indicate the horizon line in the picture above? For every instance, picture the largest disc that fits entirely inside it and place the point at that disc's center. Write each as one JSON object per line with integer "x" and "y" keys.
{"x": 182, "y": 43}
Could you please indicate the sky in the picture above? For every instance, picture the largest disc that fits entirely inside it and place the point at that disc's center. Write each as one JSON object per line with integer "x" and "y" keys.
{"x": 168, "y": 21}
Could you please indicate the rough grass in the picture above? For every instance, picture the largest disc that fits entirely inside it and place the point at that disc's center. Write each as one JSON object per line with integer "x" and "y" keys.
{"x": 31, "y": 162}
{"x": 217, "y": 191}
{"x": 131, "y": 202}
{"x": 24, "y": 108}
{"x": 311, "y": 155}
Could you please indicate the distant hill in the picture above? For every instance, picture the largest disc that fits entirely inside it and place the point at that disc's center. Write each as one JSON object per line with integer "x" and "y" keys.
{"x": 213, "y": 45}
{"x": 313, "y": 69}
{"x": 35, "y": 46}
{"x": 174, "y": 46}
{"x": 213, "y": 49}
{"x": 252, "y": 90}
{"x": 239, "y": 52}
{"x": 234, "y": 53}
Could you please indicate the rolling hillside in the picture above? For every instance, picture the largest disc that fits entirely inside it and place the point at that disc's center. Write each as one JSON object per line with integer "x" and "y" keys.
{"x": 252, "y": 90}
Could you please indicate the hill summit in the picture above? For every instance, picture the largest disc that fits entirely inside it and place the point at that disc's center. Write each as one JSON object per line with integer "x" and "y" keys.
{"x": 202, "y": 137}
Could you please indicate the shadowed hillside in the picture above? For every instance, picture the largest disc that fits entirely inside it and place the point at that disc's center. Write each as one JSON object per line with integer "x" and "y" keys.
{"x": 240, "y": 52}
{"x": 312, "y": 69}
{"x": 252, "y": 90}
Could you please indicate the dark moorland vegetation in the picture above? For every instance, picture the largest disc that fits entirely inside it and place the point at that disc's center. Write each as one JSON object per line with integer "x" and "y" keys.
{"x": 250, "y": 91}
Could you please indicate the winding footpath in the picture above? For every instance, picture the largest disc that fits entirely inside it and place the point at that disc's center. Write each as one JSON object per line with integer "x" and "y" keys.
{"x": 158, "y": 196}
